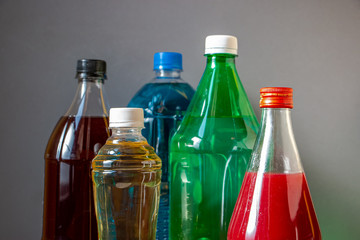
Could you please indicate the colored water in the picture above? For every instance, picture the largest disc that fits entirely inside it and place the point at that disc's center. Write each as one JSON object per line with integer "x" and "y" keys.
{"x": 274, "y": 206}
{"x": 164, "y": 105}
{"x": 208, "y": 164}
{"x": 126, "y": 178}
{"x": 68, "y": 196}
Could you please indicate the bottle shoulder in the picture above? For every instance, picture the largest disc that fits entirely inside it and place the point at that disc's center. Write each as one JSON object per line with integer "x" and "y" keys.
{"x": 183, "y": 90}
{"x": 163, "y": 97}
{"x": 220, "y": 93}
{"x": 126, "y": 154}
{"x": 69, "y": 141}
{"x": 275, "y": 147}
{"x": 90, "y": 100}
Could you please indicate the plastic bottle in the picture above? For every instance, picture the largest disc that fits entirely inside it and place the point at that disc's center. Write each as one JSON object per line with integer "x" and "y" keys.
{"x": 211, "y": 149}
{"x": 164, "y": 100}
{"x": 126, "y": 177}
{"x": 275, "y": 202}
{"x": 69, "y": 211}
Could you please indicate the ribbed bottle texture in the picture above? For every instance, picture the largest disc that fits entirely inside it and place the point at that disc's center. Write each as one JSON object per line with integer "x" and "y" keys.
{"x": 126, "y": 176}
{"x": 211, "y": 149}
{"x": 164, "y": 100}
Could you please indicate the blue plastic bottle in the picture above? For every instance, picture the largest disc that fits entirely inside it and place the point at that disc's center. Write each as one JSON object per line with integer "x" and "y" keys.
{"x": 164, "y": 100}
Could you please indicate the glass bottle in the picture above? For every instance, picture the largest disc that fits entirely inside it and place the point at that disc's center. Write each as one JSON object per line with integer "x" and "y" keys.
{"x": 274, "y": 201}
{"x": 126, "y": 176}
{"x": 164, "y": 100}
{"x": 210, "y": 151}
{"x": 69, "y": 211}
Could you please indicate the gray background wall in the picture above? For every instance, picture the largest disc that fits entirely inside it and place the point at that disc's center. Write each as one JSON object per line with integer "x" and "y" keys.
{"x": 310, "y": 45}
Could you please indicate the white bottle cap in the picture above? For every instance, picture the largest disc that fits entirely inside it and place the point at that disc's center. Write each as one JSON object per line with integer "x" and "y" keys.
{"x": 126, "y": 117}
{"x": 221, "y": 44}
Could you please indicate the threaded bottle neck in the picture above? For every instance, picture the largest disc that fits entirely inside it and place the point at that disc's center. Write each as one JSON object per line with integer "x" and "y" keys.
{"x": 167, "y": 74}
{"x": 219, "y": 59}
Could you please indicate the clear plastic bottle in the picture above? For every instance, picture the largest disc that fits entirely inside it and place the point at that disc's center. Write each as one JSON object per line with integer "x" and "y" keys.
{"x": 69, "y": 211}
{"x": 275, "y": 202}
{"x": 164, "y": 100}
{"x": 126, "y": 176}
{"x": 210, "y": 151}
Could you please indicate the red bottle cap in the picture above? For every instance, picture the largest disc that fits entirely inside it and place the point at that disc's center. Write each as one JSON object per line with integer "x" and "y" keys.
{"x": 276, "y": 97}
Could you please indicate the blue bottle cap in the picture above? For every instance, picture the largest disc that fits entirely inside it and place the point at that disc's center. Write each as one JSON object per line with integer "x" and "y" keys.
{"x": 167, "y": 60}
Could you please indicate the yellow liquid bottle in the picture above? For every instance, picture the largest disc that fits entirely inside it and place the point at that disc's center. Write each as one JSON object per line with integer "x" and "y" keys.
{"x": 126, "y": 176}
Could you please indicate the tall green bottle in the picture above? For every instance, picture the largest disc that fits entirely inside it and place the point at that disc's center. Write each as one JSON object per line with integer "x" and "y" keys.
{"x": 210, "y": 151}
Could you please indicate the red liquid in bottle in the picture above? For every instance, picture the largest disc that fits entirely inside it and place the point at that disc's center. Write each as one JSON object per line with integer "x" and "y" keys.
{"x": 274, "y": 207}
{"x": 69, "y": 211}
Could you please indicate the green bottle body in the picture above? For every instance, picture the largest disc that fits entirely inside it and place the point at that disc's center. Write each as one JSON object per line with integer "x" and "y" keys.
{"x": 209, "y": 153}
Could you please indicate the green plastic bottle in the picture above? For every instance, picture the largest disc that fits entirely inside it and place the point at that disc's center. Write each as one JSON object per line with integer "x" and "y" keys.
{"x": 210, "y": 151}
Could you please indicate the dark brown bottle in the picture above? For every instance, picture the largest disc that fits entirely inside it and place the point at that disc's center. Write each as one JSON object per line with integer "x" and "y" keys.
{"x": 69, "y": 212}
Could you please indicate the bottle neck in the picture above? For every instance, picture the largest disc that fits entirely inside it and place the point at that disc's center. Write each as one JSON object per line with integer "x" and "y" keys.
{"x": 275, "y": 149}
{"x": 220, "y": 60}
{"x": 90, "y": 98}
{"x": 129, "y": 134}
{"x": 167, "y": 75}
{"x": 90, "y": 79}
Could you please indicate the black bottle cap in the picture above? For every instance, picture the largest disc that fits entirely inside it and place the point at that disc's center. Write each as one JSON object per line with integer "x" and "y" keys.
{"x": 91, "y": 68}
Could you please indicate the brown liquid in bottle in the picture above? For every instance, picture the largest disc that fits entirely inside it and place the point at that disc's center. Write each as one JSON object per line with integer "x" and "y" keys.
{"x": 69, "y": 212}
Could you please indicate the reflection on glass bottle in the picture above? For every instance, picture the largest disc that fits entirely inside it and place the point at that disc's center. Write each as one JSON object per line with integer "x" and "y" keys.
{"x": 68, "y": 204}
{"x": 275, "y": 202}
